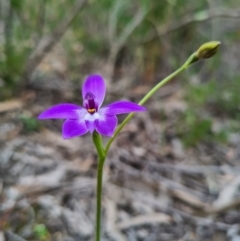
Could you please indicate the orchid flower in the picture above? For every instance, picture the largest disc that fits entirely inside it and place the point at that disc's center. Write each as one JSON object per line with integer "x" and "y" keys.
{"x": 90, "y": 117}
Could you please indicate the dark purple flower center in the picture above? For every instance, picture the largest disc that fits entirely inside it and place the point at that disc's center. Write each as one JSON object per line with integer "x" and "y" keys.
{"x": 89, "y": 103}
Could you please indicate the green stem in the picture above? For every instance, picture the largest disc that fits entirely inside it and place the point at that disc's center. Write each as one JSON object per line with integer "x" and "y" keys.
{"x": 97, "y": 139}
{"x": 99, "y": 199}
{"x": 189, "y": 61}
{"x": 205, "y": 51}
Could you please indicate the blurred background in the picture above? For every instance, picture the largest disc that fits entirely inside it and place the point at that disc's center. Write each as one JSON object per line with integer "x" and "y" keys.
{"x": 173, "y": 172}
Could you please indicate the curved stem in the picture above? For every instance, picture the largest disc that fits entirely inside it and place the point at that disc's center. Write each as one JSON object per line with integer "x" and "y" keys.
{"x": 97, "y": 139}
{"x": 189, "y": 61}
{"x": 203, "y": 52}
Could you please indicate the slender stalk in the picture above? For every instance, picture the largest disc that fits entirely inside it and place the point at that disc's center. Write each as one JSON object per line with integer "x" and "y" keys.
{"x": 189, "y": 61}
{"x": 206, "y": 50}
{"x": 99, "y": 199}
{"x": 97, "y": 139}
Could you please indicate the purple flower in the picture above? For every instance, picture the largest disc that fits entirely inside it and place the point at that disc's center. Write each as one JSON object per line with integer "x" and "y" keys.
{"x": 90, "y": 117}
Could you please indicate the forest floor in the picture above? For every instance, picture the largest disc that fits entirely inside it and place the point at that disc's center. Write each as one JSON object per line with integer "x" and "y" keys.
{"x": 155, "y": 189}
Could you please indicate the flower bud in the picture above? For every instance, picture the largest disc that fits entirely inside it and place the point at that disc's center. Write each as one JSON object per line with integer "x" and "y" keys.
{"x": 207, "y": 50}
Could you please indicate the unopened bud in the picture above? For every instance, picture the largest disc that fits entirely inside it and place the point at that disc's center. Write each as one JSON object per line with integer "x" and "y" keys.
{"x": 207, "y": 50}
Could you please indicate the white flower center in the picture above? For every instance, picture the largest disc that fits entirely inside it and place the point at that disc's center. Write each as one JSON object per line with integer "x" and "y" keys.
{"x": 91, "y": 117}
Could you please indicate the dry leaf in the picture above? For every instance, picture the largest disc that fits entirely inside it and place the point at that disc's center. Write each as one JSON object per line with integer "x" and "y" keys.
{"x": 10, "y": 105}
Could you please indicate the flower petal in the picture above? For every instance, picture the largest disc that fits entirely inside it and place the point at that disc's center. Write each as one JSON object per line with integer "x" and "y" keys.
{"x": 107, "y": 125}
{"x": 61, "y": 111}
{"x": 121, "y": 107}
{"x": 91, "y": 125}
{"x": 95, "y": 84}
{"x": 73, "y": 128}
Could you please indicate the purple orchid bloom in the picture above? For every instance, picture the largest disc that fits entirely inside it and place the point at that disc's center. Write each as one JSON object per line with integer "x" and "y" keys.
{"x": 90, "y": 117}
